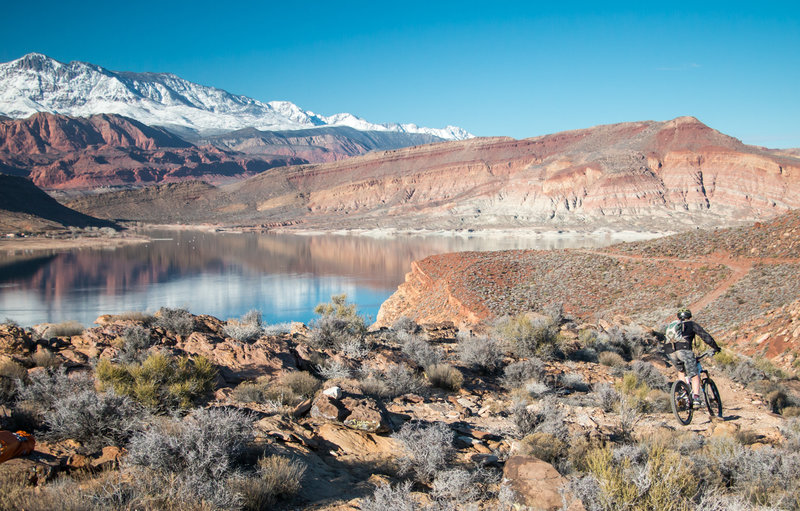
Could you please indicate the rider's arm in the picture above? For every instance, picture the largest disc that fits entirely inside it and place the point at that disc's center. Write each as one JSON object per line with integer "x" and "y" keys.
{"x": 699, "y": 331}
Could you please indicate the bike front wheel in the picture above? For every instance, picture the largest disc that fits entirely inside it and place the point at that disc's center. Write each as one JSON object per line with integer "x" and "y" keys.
{"x": 713, "y": 401}
{"x": 681, "y": 401}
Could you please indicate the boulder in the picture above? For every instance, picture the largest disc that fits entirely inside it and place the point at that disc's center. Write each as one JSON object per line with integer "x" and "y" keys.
{"x": 364, "y": 415}
{"x": 14, "y": 340}
{"x": 325, "y": 407}
{"x": 537, "y": 484}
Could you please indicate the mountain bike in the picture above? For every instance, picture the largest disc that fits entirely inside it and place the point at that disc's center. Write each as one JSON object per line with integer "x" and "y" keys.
{"x": 681, "y": 395}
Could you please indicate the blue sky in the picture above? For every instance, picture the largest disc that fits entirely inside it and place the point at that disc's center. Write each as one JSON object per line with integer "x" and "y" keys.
{"x": 494, "y": 68}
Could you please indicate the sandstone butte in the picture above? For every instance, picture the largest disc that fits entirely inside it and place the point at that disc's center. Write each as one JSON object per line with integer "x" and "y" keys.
{"x": 742, "y": 284}
{"x": 669, "y": 175}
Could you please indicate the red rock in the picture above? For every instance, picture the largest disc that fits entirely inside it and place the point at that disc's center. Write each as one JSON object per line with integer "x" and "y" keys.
{"x": 537, "y": 484}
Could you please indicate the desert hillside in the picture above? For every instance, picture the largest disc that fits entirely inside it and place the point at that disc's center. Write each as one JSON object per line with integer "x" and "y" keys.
{"x": 669, "y": 175}
{"x": 731, "y": 278}
{"x": 24, "y": 207}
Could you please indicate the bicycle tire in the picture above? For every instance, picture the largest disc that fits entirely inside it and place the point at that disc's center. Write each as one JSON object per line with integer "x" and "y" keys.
{"x": 713, "y": 401}
{"x": 681, "y": 401}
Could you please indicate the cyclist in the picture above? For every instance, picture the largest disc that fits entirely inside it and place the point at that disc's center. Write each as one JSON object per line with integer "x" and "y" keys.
{"x": 678, "y": 347}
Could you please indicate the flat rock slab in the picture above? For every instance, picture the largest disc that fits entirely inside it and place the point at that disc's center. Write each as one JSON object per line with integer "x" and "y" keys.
{"x": 537, "y": 484}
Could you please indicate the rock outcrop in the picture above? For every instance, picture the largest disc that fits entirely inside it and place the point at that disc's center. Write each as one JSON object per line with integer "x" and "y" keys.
{"x": 644, "y": 175}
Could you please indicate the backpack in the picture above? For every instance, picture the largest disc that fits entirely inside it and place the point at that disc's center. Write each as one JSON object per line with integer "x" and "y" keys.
{"x": 674, "y": 331}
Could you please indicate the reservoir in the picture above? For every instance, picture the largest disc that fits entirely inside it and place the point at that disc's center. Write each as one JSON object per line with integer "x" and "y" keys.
{"x": 228, "y": 274}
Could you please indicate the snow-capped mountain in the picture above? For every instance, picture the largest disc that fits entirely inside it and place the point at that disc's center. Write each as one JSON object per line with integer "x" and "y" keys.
{"x": 37, "y": 83}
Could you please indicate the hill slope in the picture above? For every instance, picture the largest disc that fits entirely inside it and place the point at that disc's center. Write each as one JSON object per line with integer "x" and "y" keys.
{"x": 646, "y": 175}
{"x": 23, "y": 206}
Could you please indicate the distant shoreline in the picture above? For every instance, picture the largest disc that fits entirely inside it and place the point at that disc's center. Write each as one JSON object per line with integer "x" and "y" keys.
{"x": 41, "y": 243}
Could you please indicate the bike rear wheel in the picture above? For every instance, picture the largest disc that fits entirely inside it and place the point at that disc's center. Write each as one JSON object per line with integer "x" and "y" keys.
{"x": 713, "y": 401}
{"x": 681, "y": 401}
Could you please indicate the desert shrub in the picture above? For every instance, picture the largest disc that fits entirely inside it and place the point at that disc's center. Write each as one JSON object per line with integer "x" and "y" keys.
{"x": 197, "y": 455}
{"x": 545, "y": 446}
{"x": 276, "y": 477}
{"x": 64, "y": 329}
{"x": 242, "y": 332}
{"x": 765, "y": 476}
{"x": 137, "y": 316}
{"x": 726, "y": 358}
{"x": 334, "y": 332}
{"x": 18, "y": 492}
{"x": 273, "y": 393}
{"x": 333, "y": 369}
{"x": 529, "y": 337}
{"x": 658, "y": 401}
{"x": 606, "y": 396}
{"x": 791, "y": 411}
{"x": 406, "y": 325}
{"x": 428, "y": 449}
{"x": 630, "y": 415}
{"x": 628, "y": 341}
{"x": 536, "y": 389}
{"x": 10, "y": 371}
{"x": 277, "y": 329}
{"x": 457, "y": 487}
{"x": 547, "y": 418}
{"x": 745, "y": 372}
{"x": 791, "y": 434}
{"x": 768, "y": 368}
{"x": 391, "y": 498}
{"x": 43, "y": 357}
{"x": 419, "y": 350}
{"x": 43, "y": 389}
{"x": 94, "y": 419}
{"x": 658, "y": 481}
{"x": 302, "y": 383}
{"x": 649, "y": 375}
{"x": 634, "y": 390}
{"x": 480, "y": 352}
{"x": 611, "y": 359}
{"x": 10, "y": 323}
{"x": 444, "y": 376}
{"x": 135, "y": 341}
{"x": 573, "y": 382}
{"x": 394, "y": 380}
{"x": 245, "y": 329}
{"x": 179, "y": 321}
{"x": 517, "y": 374}
{"x": 160, "y": 382}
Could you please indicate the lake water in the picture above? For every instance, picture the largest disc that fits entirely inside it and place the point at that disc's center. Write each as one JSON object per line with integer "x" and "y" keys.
{"x": 226, "y": 275}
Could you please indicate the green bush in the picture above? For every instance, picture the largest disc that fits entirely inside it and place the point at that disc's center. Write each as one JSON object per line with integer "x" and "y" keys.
{"x": 160, "y": 382}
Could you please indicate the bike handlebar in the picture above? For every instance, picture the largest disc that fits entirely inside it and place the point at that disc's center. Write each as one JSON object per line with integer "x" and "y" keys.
{"x": 708, "y": 353}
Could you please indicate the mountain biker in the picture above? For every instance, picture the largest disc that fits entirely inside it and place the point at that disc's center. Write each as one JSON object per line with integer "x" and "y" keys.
{"x": 678, "y": 347}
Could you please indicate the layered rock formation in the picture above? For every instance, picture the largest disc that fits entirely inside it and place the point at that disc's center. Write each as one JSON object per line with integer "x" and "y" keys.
{"x": 56, "y": 151}
{"x": 647, "y": 175}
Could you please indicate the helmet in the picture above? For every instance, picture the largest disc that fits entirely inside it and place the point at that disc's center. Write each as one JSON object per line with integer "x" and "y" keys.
{"x": 684, "y": 314}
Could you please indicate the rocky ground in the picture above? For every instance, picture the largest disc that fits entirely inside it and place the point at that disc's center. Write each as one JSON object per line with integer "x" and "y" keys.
{"x": 346, "y": 404}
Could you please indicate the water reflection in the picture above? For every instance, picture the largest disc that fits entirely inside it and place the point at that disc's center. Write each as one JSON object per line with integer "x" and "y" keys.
{"x": 226, "y": 275}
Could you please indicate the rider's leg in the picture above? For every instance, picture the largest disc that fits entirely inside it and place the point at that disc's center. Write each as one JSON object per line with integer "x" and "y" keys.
{"x": 696, "y": 385}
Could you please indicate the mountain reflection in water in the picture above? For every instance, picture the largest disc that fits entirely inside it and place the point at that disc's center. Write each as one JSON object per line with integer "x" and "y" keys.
{"x": 226, "y": 275}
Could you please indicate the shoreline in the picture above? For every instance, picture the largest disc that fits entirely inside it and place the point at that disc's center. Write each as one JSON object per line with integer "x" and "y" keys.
{"x": 42, "y": 243}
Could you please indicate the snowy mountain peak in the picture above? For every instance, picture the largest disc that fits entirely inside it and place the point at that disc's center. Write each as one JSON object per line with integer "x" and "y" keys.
{"x": 37, "y": 83}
